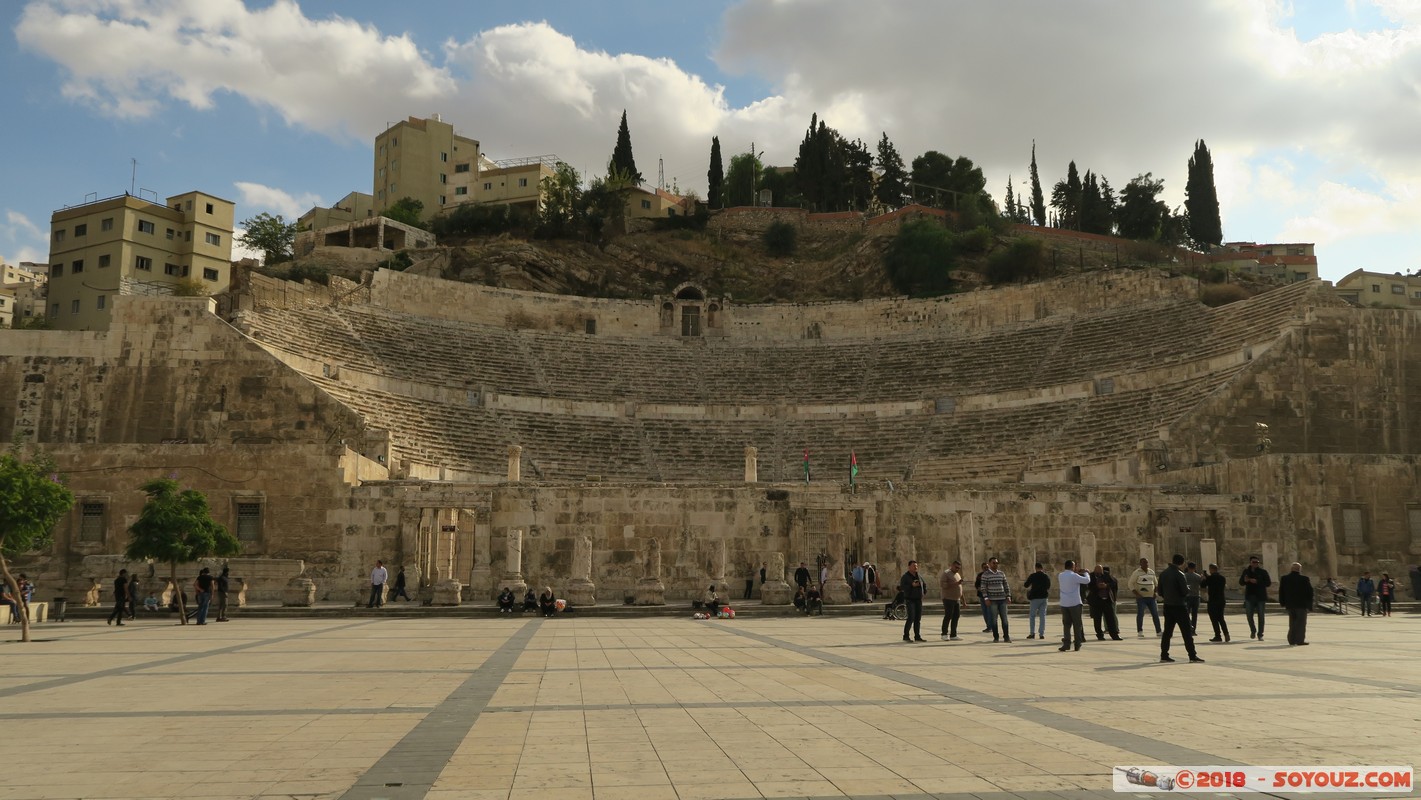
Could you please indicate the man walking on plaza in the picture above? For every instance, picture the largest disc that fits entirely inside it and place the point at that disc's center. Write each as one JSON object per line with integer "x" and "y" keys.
{"x": 1069, "y": 585}
{"x": 996, "y": 593}
{"x": 1102, "y": 603}
{"x": 1255, "y": 582}
{"x": 224, "y": 587}
{"x": 120, "y": 598}
{"x": 857, "y": 575}
{"x": 378, "y": 576}
{"x": 1215, "y": 585}
{"x": 1295, "y": 594}
{"x": 1142, "y": 585}
{"x": 1366, "y": 590}
{"x": 1191, "y": 574}
{"x": 912, "y": 587}
{"x": 1174, "y": 592}
{"x": 950, "y": 582}
{"x": 1038, "y": 591}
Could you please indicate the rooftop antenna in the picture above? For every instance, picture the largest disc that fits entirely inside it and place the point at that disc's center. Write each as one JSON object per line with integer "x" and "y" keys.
{"x": 660, "y": 173}
{"x": 133, "y": 177}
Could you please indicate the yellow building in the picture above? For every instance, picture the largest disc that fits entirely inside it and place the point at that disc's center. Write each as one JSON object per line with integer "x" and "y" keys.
{"x": 128, "y": 245}
{"x": 423, "y": 159}
{"x": 351, "y": 208}
{"x": 22, "y": 292}
{"x": 1396, "y": 290}
{"x": 654, "y": 204}
{"x": 514, "y": 182}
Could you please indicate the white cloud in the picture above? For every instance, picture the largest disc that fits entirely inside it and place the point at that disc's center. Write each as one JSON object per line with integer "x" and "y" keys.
{"x": 19, "y": 224}
{"x": 258, "y": 198}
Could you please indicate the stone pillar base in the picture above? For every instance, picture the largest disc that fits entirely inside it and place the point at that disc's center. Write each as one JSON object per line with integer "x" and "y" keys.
{"x": 581, "y": 593}
{"x": 362, "y": 594}
{"x": 650, "y": 592}
{"x": 776, "y": 594}
{"x": 837, "y": 593}
{"x": 448, "y": 593}
{"x": 299, "y": 592}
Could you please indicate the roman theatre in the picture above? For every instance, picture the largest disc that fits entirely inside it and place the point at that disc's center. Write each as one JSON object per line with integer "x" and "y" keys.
{"x": 636, "y": 451}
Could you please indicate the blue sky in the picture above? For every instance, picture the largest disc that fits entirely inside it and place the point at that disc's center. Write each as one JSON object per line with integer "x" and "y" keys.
{"x": 1311, "y": 109}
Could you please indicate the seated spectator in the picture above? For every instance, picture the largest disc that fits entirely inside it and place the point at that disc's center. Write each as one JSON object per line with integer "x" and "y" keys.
{"x": 505, "y": 600}
{"x": 712, "y": 601}
{"x": 530, "y": 600}
{"x": 800, "y": 599}
{"x": 548, "y": 602}
{"x": 9, "y": 599}
{"x": 814, "y": 602}
{"x": 150, "y": 603}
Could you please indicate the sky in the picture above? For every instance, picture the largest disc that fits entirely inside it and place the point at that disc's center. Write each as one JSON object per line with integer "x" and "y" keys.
{"x": 1311, "y": 109}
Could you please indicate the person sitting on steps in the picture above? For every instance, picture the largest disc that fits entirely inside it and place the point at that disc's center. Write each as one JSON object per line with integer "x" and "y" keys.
{"x": 505, "y": 601}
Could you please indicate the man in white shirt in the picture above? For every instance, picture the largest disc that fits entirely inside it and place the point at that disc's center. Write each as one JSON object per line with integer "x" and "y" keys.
{"x": 1070, "y": 583}
{"x": 1144, "y": 585}
{"x": 378, "y": 576}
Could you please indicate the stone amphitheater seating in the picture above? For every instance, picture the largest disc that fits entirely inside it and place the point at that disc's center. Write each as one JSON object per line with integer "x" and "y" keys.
{"x": 877, "y": 397}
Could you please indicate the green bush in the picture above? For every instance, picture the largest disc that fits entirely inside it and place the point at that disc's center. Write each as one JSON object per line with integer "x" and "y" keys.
{"x": 299, "y": 271}
{"x": 1023, "y": 260}
{"x": 977, "y": 240}
{"x": 780, "y": 239}
{"x": 920, "y": 257}
{"x": 399, "y": 262}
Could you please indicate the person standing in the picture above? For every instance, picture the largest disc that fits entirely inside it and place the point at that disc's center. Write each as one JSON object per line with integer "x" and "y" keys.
{"x": 1386, "y": 590}
{"x": 378, "y": 576}
{"x": 1195, "y": 580}
{"x": 1069, "y": 585}
{"x": 224, "y": 586}
{"x": 857, "y": 575}
{"x": 912, "y": 588}
{"x": 202, "y": 590}
{"x": 1215, "y": 585}
{"x": 1366, "y": 590}
{"x": 997, "y": 594}
{"x": 133, "y": 596}
{"x": 1255, "y": 582}
{"x": 801, "y": 576}
{"x": 950, "y": 582}
{"x": 1143, "y": 585}
{"x": 400, "y": 587}
{"x": 823, "y": 576}
{"x": 982, "y": 598}
{"x": 764, "y": 570}
{"x": 1103, "y": 587}
{"x": 1038, "y": 591}
{"x": 750, "y": 583}
{"x": 120, "y": 598}
{"x": 1295, "y": 594}
{"x": 870, "y": 577}
{"x": 1174, "y": 591}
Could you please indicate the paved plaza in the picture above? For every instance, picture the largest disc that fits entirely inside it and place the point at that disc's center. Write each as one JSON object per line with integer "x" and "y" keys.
{"x": 652, "y": 708}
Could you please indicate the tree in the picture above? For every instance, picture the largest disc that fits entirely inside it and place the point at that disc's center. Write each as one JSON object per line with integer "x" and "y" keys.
{"x": 920, "y": 258}
{"x": 1201, "y": 199}
{"x": 1066, "y": 199}
{"x": 176, "y": 527}
{"x": 622, "y": 153}
{"x": 1038, "y": 201}
{"x": 407, "y": 210}
{"x": 892, "y": 185}
{"x": 1097, "y": 212}
{"x": 32, "y": 499}
{"x": 1142, "y": 214}
{"x": 273, "y": 236}
{"x": 740, "y": 185}
{"x": 715, "y": 177}
{"x": 935, "y": 173}
{"x": 780, "y": 239}
{"x": 562, "y": 195}
{"x": 1010, "y": 212}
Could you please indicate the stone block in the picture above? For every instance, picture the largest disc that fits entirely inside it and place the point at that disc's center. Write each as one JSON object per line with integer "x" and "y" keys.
{"x": 299, "y": 592}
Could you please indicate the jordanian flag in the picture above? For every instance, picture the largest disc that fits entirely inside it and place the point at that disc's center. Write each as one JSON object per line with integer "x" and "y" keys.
{"x": 853, "y": 466}
{"x": 806, "y": 465}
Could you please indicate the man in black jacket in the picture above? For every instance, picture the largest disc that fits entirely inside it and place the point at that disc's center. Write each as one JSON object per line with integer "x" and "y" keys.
{"x": 912, "y": 587}
{"x": 801, "y": 576}
{"x": 1215, "y": 585}
{"x": 1103, "y": 587}
{"x": 1255, "y": 582}
{"x": 1295, "y": 594}
{"x": 1174, "y": 593}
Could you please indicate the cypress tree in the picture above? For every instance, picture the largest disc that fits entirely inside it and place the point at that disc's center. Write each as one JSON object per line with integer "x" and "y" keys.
{"x": 1011, "y": 201}
{"x": 1038, "y": 200}
{"x": 622, "y": 158}
{"x": 1201, "y": 199}
{"x": 715, "y": 177}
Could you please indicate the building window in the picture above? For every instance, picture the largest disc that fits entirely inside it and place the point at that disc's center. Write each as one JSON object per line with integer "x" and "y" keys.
{"x": 443, "y": 178}
{"x": 104, "y": 260}
{"x": 172, "y": 269}
{"x": 1299, "y": 277}
{"x": 91, "y": 522}
{"x": 56, "y": 271}
{"x": 102, "y": 302}
{"x": 209, "y": 208}
{"x": 209, "y": 274}
{"x": 646, "y": 204}
{"x": 144, "y": 263}
{"x": 74, "y": 306}
{"x": 106, "y": 224}
{"x": 249, "y": 521}
{"x": 444, "y": 157}
{"x": 81, "y": 230}
{"x": 1398, "y": 289}
{"x": 144, "y": 226}
{"x": 461, "y": 190}
{"x": 522, "y": 182}
{"x": 461, "y": 168}
{"x": 488, "y": 187}
{"x": 77, "y": 267}
{"x": 59, "y": 235}
{"x": 1354, "y": 531}
{"x": 54, "y": 310}
{"x": 441, "y": 199}
{"x": 1376, "y": 288}
{"x": 214, "y": 239}
{"x": 187, "y": 236}
{"x": 172, "y": 233}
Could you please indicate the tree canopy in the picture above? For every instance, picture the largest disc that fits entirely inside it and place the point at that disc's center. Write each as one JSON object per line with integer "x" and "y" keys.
{"x": 740, "y": 180}
{"x": 407, "y": 210}
{"x": 715, "y": 177}
{"x": 1038, "y": 200}
{"x": 934, "y": 173}
{"x": 891, "y": 191}
{"x": 622, "y": 153}
{"x": 176, "y": 527}
{"x": 919, "y": 259}
{"x": 32, "y": 499}
{"x": 1201, "y": 199}
{"x": 832, "y": 173}
{"x": 1066, "y": 199}
{"x": 272, "y": 235}
{"x": 1142, "y": 214}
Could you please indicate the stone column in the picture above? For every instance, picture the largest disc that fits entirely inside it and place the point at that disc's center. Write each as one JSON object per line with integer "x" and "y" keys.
{"x": 752, "y": 465}
{"x": 903, "y": 552}
{"x": 1269, "y": 557}
{"x": 513, "y": 565}
{"x": 301, "y": 591}
{"x": 1086, "y": 559}
{"x": 836, "y": 589}
{"x": 1326, "y": 543}
{"x": 515, "y": 463}
{"x": 775, "y": 591}
{"x": 1208, "y": 554}
{"x": 481, "y": 576}
{"x": 447, "y": 591}
{"x": 717, "y": 568}
{"x": 649, "y": 590}
{"x": 967, "y": 541}
{"x": 1147, "y": 550}
{"x": 580, "y": 590}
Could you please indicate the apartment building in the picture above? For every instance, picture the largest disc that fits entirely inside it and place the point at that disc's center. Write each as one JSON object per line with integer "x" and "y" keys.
{"x": 424, "y": 159}
{"x": 514, "y": 182}
{"x": 22, "y": 290}
{"x": 1288, "y": 262}
{"x": 354, "y": 207}
{"x": 130, "y": 245}
{"x": 1395, "y": 290}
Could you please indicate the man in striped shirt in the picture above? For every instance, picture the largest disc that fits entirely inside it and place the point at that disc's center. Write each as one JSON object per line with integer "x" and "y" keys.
{"x": 997, "y": 593}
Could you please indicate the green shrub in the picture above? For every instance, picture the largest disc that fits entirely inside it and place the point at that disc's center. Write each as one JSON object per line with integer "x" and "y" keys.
{"x": 1220, "y": 294}
{"x": 399, "y": 262}
{"x": 920, "y": 257}
{"x": 977, "y": 240}
{"x": 299, "y": 271}
{"x": 780, "y": 239}
{"x": 1023, "y": 260}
